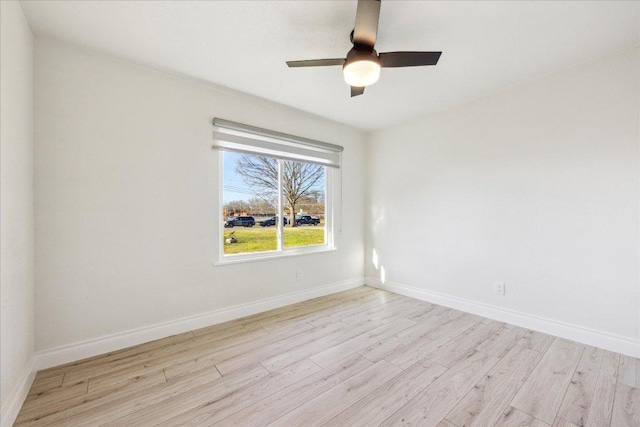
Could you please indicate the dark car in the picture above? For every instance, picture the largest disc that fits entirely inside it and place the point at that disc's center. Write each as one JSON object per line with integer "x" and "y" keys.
{"x": 240, "y": 221}
{"x": 272, "y": 221}
{"x": 307, "y": 219}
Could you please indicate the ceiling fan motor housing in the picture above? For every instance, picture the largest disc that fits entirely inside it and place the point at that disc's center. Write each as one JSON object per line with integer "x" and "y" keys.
{"x": 356, "y": 54}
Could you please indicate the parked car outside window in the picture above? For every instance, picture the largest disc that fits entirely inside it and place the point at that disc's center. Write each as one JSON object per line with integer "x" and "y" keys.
{"x": 240, "y": 221}
{"x": 272, "y": 221}
{"x": 307, "y": 219}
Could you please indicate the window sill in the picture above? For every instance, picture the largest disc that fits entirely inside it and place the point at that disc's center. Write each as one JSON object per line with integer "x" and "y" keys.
{"x": 270, "y": 256}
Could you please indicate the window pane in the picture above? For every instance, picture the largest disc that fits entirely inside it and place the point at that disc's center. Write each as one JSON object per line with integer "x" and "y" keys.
{"x": 250, "y": 188}
{"x": 303, "y": 198}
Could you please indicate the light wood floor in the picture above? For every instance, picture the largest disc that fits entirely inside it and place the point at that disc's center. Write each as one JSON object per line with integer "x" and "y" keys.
{"x": 363, "y": 357}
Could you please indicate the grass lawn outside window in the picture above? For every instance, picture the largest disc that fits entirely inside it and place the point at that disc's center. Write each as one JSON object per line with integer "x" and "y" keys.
{"x": 259, "y": 239}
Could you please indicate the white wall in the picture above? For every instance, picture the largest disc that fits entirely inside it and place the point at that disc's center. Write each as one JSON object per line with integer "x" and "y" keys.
{"x": 126, "y": 196}
{"x": 536, "y": 186}
{"x": 16, "y": 206}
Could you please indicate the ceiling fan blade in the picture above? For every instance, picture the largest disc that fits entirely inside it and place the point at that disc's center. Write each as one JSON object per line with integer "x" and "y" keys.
{"x": 366, "y": 28}
{"x": 408, "y": 59}
{"x": 355, "y": 91}
{"x": 316, "y": 62}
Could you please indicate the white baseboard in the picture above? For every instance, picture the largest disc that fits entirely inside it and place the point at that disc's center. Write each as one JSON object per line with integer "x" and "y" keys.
{"x": 18, "y": 395}
{"x": 93, "y": 347}
{"x": 607, "y": 341}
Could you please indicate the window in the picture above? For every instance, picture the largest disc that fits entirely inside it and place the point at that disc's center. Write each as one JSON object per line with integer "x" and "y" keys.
{"x": 276, "y": 193}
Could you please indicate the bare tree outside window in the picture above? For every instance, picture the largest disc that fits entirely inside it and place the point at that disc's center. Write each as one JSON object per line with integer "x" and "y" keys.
{"x": 300, "y": 181}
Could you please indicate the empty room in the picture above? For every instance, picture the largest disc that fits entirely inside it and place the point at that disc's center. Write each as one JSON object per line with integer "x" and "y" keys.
{"x": 320, "y": 213}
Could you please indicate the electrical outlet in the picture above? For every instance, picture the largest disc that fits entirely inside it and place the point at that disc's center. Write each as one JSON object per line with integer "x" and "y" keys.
{"x": 499, "y": 288}
{"x": 299, "y": 275}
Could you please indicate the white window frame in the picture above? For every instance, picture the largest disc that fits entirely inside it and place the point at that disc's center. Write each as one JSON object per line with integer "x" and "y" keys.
{"x": 281, "y": 251}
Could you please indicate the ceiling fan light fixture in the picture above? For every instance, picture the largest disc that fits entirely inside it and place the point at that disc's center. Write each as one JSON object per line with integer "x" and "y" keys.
{"x": 361, "y": 67}
{"x": 361, "y": 72}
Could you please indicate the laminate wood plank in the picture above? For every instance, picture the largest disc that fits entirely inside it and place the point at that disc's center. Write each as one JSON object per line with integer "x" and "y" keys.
{"x": 118, "y": 373}
{"x": 339, "y": 352}
{"x": 353, "y": 308}
{"x": 439, "y": 314}
{"x": 542, "y": 393}
{"x": 373, "y": 309}
{"x": 100, "y": 404}
{"x": 160, "y": 401}
{"x": 536, "y": 341}
{"x": 359, "y": 291}
{"x": 378, "y": 405}
{"x": 502, "y": 341}
{"x": 218, "y": 328}
{"x": 349, "y": 309}
{"x": 42, "y": 384}
{"x": 370, "y": 299}
{"x": 172, "y": 350}
{"x": 215, "y": 409}
{"x": 198, "y": 361}
{"x": 257, "y": 338}
{"x": 419, "y": 310}
{"x": 61, "y": 393}
{"x": 383, "y": 312}
{"x": 265, "y": 314}
{"x": 305, "y": 308}
{"x": 269, "y": 313}
{"x": 485, "y": 402}
{"x": 422, "y": 329}
{"x": 371, "y": 306}
{"x": 346, "y": 296}
{"x": 411, "y": 353}
{"x": 321, "y": 409}
{"x": 465, "y": 343}
{"x": 288, "y": 356}
{"x": 629, "y": 371}
{"x": 368, "y": 292}
{"x": 559, "y": 422}
{"x": 322, "y": 298}
{"x": 446, "y": 423}
{"x": 285, "y": 311}
{"x": 254, "y": 320}
{"x": 273, "y": 407}
{"x": 299, "y": 311}
{"x": 433, "y": 403}
{"x": 626, "y": 410}
{"x": 270, "y": 350}
{"x": 513, "y": 417}
{"x": 449, "y": 312}
{"x": 201, "y": 346}
{"x": 209, "y": 357}
{"x": 577, "y": 400}
{"x": 52, "y": 413}
{"x": 44, "y": 402}
{"x": 287, "y": 326}
{"x": 99, "y": 361}
{"x": 604, "y": 393}
{"x": 218, "y": 335}
{"x": 240, "y": 345}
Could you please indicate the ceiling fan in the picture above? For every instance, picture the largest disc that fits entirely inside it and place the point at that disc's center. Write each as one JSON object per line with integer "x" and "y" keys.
{"x": 362, "y": 66}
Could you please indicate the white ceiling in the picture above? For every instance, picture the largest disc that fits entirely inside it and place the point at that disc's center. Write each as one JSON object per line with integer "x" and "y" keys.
{"x": 486, "y": 46}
